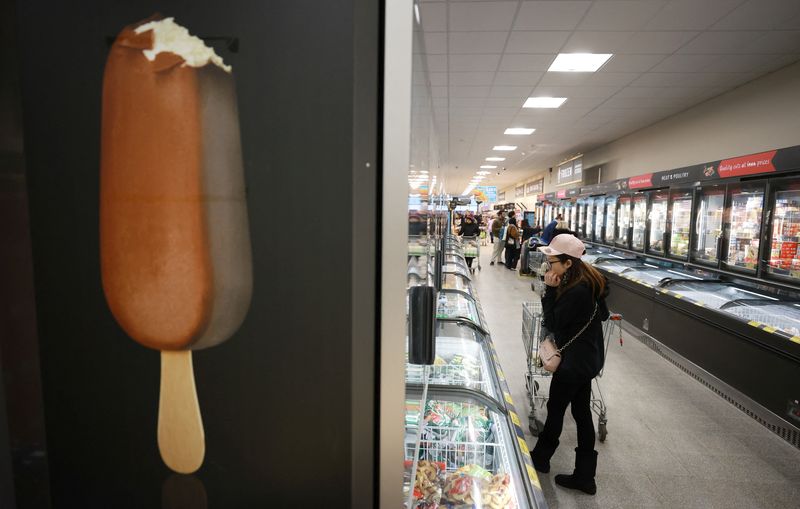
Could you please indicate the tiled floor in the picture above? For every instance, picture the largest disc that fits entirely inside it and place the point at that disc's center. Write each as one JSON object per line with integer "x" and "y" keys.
{"x": 671, "y": 441}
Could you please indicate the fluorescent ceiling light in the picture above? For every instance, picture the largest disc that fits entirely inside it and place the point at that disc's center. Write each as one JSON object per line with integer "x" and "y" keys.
{"x": 506, "y": 148}
{"x": 496, "y": 159}
{"x": 579, "y": 62}
{"x": 484, "y": 172}
{"x": 544, "y": 102}
{"x": 488, "y": 166}
{"x": 416, "y": 12}
{"x": 519, "y": 131}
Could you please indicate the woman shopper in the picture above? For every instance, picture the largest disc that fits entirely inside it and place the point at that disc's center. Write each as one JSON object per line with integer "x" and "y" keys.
{"x": 574, "y": 308}
{"x": 497, "y": 228}
{"x": 512, "y": 242}
{"x": 469, "y": 228}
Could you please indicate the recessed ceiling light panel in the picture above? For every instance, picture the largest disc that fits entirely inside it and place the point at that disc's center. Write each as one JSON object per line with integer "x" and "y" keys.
{"x": 506, "y": 148}
{"x": 579, "y": 62}
{"x": 498, "y": 159}
{"x": 519, "y": 131}
{"x": 544, "y": 102}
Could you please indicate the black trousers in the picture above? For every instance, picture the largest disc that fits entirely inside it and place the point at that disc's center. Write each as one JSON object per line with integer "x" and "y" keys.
{"x": 469, "y": 261}
{"x": 565, "y": 392}
{"x": 512, "y": 256}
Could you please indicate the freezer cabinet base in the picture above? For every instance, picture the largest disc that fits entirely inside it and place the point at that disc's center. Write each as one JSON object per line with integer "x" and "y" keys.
{"x": 762, "y": 415}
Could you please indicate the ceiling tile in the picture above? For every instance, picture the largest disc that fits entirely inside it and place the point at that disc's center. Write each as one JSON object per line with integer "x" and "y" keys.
{"x": 433, "y": 17}
{"x": 759, "y": 14}
{"x": 668, "y": 79}
{"x": 596, "y": 42}
{"x": 526, "y": 62}
{"x": 500, "y": 112}
{"x": 658, "y": 92}
{"x": 467, "y": 102}
{"x": 471, "y": 79}
{"x": 474, "y": 63}
{"x": 517, "y": 78}
{"x": 777, "y": 42}
{"x": 742, "y": 63}
{"x": 716, "y": 43}
{"x": 691, "y": 14}
{"x": 685, "y": 63}
{"x": 503, "y": 102}
{"x": 536, "y": 42}
{"x": 657, "y": 42}
{"x": 620, "y": 79}
{"x": 575, "y": 92}
{"x": 565, "y": 79}
{"x": 435, "y": 43}
{"x": 621, "y": 14}
{"x": 632, "y": 63}
{"x": 469, "y": 91}
{"x": 520, "y": 93}
{"x": 477, "y": 42}
{"x": 563, "y": 15}
{"x": 465, "y": 113}
{"x": 438, "y": 79}
{"x": 482, "y": 16}
{"x": 438, "y": 91}
{"x": 437, "y": 63}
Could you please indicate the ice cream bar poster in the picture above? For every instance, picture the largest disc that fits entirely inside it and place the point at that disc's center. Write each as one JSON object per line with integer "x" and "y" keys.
{"x": 174, "y": 239}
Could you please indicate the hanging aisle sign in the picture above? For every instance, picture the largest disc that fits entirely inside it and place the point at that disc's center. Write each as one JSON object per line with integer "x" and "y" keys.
{"x": 570, "y": 172}
{"x": 501, "y": 196}
{"x": 535, "y": 187}
{"x": 519, "y": 191}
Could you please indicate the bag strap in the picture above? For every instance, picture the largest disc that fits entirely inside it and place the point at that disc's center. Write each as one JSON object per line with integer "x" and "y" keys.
{"x": 580, "y": 331}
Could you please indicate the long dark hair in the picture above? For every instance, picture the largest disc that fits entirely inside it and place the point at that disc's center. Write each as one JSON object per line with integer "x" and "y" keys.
{"x": 580, "y": 272}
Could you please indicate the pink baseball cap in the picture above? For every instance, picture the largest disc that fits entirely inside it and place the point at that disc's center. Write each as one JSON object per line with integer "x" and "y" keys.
{"x": 564, "y": 244}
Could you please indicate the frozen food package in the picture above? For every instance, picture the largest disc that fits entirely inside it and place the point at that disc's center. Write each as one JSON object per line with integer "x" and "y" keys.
{"x": 174, "y": 236}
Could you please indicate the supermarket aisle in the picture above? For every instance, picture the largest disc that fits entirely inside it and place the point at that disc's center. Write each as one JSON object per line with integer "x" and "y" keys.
{"x": 671, "y": 441}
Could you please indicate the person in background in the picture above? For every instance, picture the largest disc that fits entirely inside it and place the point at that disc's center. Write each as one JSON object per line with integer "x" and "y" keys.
{"x": 574, "y": 307}
{"x": 496, "y": 228}
{"x": 527, "y": 233}
{"x": 547, "y": 233}
{"x": 469, "y": 228}
{"x": 512, "y": 242}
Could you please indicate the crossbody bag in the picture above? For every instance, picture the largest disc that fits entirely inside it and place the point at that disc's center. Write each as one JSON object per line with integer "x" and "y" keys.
{"x": 550, "y": 354}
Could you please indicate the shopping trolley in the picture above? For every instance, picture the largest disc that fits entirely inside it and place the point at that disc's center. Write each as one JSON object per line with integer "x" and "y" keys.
{"x": 536, "y": 260}
{"x": 532, "y": 334}
{"x": 472, "y": 248}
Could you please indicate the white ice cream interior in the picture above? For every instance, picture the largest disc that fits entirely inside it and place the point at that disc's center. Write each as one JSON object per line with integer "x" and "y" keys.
{"x": 169, "y": 36}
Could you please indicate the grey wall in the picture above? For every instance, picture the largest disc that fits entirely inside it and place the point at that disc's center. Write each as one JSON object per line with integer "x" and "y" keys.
{"x": 761, "y": 115}
{"x": 277, "y": 398}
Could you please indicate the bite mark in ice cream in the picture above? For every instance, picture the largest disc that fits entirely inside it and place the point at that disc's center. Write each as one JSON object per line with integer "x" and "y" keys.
{"x": 170, "y": 37}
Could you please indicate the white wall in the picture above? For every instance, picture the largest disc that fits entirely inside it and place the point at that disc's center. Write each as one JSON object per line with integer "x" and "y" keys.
{"x": 761, "y": 115}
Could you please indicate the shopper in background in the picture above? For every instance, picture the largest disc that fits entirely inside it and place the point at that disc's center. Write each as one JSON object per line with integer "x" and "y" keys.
{"x": 527, "y": 233}
{"x": 547, "y": 233}
{"x": 469, "y": 228}
{"x": 574, "y": 308}
{"x": 512, "y": 242}
{"x": 497, "y": 228}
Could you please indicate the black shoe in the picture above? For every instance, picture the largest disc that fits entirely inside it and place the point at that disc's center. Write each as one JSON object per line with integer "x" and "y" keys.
{"x": 571, "y": 482}
{"x": 540, "y": 466}
{"x": 491, "y": 263}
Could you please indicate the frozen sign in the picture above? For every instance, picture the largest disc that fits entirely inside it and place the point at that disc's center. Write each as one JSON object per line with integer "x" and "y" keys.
{"x": 569, "y": 172}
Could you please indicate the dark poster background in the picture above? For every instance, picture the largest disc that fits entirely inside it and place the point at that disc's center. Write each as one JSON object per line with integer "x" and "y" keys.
{"x": 276, "y": 398}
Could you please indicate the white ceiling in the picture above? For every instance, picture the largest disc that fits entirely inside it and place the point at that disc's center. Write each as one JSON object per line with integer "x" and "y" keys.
{"x": 485, "y": 58}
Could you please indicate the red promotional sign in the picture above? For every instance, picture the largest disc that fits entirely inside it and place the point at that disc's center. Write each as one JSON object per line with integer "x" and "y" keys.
{"x": 747, "y": 165}
{"x": 640, "y": 181}
{"x": 562, "y": 193}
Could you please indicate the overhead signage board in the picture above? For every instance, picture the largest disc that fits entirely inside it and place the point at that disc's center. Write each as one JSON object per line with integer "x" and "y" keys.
{"x": 535, "y": 187}
{"x": 501, "y": 196}
{"x": 485, "y": 194}
{"x": 570, "y": 172}
{"x": 519, "y": 191}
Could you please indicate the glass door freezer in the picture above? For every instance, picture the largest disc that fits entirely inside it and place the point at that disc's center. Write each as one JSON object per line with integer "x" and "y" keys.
{"x": 746, "y": 204}
{"x": 680, "y": 204}
{"x": 639, "y": 221}
{"x": 657, "y": 222}
{"x": 590, "y": 219}
{"x": 784, "y": 256}
{"x": 622, "y": 238}
{"x": 708, "y": 224}
{"x": 610, "y": 222}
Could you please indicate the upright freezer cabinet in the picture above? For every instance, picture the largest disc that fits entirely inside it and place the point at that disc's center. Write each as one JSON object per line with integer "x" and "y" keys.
{"x": 610, "y": 220}
{"x": 638, "y": 221}
{"x": 784, "y": 256}
{"x": 657, "y": 222}
{"x": 708, "y": 224}
{"x": 622, "y": 238}
{"x": 746, "y": 204}
{"x": 680, "y": 204}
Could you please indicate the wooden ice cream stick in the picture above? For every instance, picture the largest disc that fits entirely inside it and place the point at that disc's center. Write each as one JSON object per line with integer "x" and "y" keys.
{"x": 181, "y": 439}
